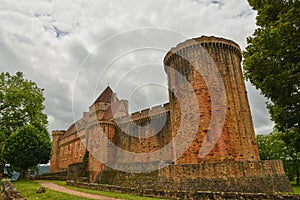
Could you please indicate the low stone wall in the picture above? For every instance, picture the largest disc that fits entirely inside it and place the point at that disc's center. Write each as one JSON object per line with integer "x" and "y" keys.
{"x": 248, "y": 176}
{"x": 9, "y": 192}
{"x": 181, "y": 194}
{"x": 77, "y": 171}
{"x": 58, "y": 175}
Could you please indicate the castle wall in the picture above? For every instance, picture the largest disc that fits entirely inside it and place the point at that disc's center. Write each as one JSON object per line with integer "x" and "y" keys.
{"x": 230, "y": 160}
{"x": 144, "y": 127}
{"x": 140, "y": 125}
{"x": 183, "y": 194}
{"x": 70, "y": 146}
{"x": 98, "y": 150}
{"x": 197, "y": 60}
{"x": 242, "y": 176}
{"x": 67, "y": 149}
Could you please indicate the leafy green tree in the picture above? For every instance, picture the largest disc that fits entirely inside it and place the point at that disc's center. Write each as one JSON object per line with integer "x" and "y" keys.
{"x": 27, "y": 147}
{"x": 272, "y": 63}
{"x": 2, "y": 163}
{"x": 21, "y": 103}
{"x": 293, "y": 144}
{"x": 272, "y": 147}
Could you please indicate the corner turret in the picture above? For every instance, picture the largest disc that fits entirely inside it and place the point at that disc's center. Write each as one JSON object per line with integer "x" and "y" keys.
{"x": 56, "y": 134}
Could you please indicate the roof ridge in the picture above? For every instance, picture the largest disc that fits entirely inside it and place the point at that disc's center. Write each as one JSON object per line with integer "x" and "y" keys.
{"x": 106, "y": 96}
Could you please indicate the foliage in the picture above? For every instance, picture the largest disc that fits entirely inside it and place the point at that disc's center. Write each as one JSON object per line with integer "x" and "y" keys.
{"x": 85, "y": 161}
{"x": 296, "y": 187}
{"x": 27, "y": 147}
{"x": 272, "y": 147}
{"x": 28, "y": 190}
{"x": 21, "y": 103}
{"x": 85, "y": 158}
{"x": 45, "y": 142}
{"x": 2, "y": 162}
{"x": 272, "y": 63}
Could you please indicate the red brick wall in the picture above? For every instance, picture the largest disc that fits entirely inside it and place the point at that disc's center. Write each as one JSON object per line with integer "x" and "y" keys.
{"x": 237, "y": 141}
{"x": 55, "y": 150}
{"x": 69, "y": 150}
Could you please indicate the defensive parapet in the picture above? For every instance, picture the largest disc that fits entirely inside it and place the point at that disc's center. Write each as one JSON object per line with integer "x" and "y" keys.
{"x": 143, "y": 114}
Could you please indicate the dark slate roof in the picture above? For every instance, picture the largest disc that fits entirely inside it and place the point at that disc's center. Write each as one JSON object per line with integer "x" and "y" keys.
{"x": 105, "y": 96}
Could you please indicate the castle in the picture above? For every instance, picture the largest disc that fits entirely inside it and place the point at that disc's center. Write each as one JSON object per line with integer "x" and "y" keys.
{"x": 202, "y": 139}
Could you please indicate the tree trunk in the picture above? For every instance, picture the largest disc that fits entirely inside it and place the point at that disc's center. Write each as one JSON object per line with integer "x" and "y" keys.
{"x": 1, "y": 170}
{"x": 23, "y": 174}
{"x": 298, "y": 177}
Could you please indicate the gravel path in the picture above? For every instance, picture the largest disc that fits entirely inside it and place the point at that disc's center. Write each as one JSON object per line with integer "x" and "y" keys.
{"x": 59, "y": 188}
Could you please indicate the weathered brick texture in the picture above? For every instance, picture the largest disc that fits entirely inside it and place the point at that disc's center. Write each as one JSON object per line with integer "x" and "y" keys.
{"x": 223, "y": 155}
{"x": 195, "y": 59}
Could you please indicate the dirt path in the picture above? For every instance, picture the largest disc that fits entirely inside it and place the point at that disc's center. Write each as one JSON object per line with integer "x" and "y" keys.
{"x": 59, "y": 188}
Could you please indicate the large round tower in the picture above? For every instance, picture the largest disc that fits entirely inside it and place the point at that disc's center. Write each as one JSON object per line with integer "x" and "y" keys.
{"x": 212, "y": 67}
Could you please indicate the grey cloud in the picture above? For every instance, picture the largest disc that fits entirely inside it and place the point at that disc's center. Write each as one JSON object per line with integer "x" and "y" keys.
{"x": 49, "y": 40}
{"x": 259, "y": 111}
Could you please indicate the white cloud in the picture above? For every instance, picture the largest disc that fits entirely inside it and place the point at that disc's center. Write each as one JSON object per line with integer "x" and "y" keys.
{"x": 49, "y": 40}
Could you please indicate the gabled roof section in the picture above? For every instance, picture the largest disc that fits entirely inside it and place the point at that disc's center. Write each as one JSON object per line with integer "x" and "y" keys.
{"x": 109, "y": 113}
{"x": 71, "y": 130}
{"x": 106, "y": 96}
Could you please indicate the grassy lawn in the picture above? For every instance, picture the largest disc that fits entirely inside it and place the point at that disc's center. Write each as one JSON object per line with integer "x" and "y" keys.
{"x": 103, "y": 193}
{"x": 28, "y": 190}
{"x": 295, "y": 187}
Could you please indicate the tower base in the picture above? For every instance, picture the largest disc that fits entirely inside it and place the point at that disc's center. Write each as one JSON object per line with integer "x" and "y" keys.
{"x": 242, "y": 176}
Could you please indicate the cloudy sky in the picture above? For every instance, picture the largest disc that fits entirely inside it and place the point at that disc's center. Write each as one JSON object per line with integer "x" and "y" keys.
{"x": 74, "y": 49}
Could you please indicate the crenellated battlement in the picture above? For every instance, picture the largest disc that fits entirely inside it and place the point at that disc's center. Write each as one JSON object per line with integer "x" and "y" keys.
{"x": 197, "y": 43}
{"x": 144, "y": 114}
{"x": 58, "y": 132}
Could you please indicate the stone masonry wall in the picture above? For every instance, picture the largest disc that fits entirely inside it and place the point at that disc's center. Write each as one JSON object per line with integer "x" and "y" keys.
{"x": 56, "y": 175}
{"x": 230, "y": 162}
{"x": 181, "y": 194}
{"x": 197, "y": 60}
{"x": 144, "y": 126}
{"x": 55, "y": 150}
{"x": 250, "y": 176}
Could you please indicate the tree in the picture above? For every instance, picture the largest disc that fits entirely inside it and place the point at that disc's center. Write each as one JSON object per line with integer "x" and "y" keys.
{"x": 293, "y": 143}
{"x": 21, "y": 103}
{"x": 27, "y": 147}
{"x": 272, "y": 63}
{"x": 272, "y": 147}
{"x": 2, "y": 163}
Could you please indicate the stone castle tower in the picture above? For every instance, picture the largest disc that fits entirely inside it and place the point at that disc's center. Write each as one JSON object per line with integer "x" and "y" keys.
{"x": 208, "y": 127}
{"x": 210, "y": 65}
